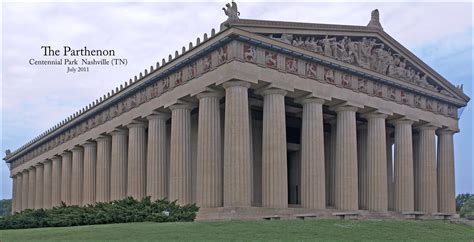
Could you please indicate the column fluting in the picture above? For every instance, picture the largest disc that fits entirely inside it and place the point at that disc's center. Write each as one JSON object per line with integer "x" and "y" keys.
{"x": 14, "y": 193}
{"x": 209, "y": 151}
{"x": 24, "y": 190}
{"x": 427, "y": 170}
{"x": 446, "y": 188}
{"x": 39, "y": 185}
{"x": 157, "y": 168}
{"x": 136, "y": 179}
{"x": 180, "y": 154}
{"x": 47, "y": 184}
{"x": 77, "y": 175}
{"x": 237, "y": 156}
{"x": 104, "y": 156}
{"x": 56, "y": 181}
{"x": 403, "y": 167}
{"x": 66, "y": 176}
{"x": 31, "y": 187}
{"x": 89, "y": 180}
{"x": 377, "y": 193}
{"x": 118, "y": 166}
{"x": 274, "y": 152}
{"x": 362, "y": 165}
{"x": 346, "y": 188}
{"x": 313, "y": 177}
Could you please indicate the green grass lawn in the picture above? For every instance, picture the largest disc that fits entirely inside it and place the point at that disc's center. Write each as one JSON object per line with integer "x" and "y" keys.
{"x": 254, "y": 230}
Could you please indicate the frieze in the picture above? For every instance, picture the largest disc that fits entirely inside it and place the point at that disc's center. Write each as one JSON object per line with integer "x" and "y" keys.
{"x": 368, "y": 53}
{"x": 180, "y": 77}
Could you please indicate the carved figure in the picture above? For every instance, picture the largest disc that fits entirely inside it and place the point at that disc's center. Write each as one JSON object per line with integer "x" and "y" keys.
{"x": 250, "y": 52}
{"x": 231, "y": 11}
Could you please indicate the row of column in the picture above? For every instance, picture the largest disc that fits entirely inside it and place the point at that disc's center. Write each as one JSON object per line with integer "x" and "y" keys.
{"x": 128, "y": 163}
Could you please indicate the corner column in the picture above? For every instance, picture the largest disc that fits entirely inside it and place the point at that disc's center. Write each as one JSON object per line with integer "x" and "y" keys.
{"x": 14, "y": 193}
{"x": 66, "y": 175}
{"x": 31, "y": 187}
{"x": 346, "y": 197}
{"x": 180, "y": 154}
{"x": 39, "y": 185}
{"x": 118, "y": 166}
{"x": 313, "y": 177}
{"x": 136, "y": 179}
{"x": 47, "y": 183}
{"x": 237, "y": 156}
{"x": 77, "y": 175}
{"x": 19, "y": 191}
{"x": 377, "y": 199}
{"x": 56, "y": 181}
{"x": 157, "y": 169}
{"x": 104, "y": 148}
{"x": 427, "y": 170}
{"x": 446, "y": 189}
{"x": 209, "y": 151}
{"x": 90, "y": 161}
{"x": 403, "y": 175}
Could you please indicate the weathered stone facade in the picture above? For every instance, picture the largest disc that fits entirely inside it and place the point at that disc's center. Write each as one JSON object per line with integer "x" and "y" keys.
{"x": 263, "y": 114}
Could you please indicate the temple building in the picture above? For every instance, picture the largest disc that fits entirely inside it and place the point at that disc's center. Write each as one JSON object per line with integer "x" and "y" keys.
{"x": 261, "y": 119}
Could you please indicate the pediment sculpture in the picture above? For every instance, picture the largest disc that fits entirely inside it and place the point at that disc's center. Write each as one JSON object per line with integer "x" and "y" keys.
{"x": 368, "y": 53}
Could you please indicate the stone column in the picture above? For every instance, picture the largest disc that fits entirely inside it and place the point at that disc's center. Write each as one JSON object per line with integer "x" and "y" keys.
{"x": 19, "y": 191}
{"x": 427, "y": 170}
{"x": 331, "y": 165}
{"x": 274, "y": 152}
{"x": 362, "y": 165}
{"x": 403, "y": 175}
{"x": 90, "y": 162}
{"x": 47, "y": 184}
{"x": 39, "y": 186}
{"x": 66, "y": 175}
{"x": 446, "y": 191}
{"x": 56, "y": 181}
{"x": 31, "y": 187}
{"x": 237, "y": 156}
{"x": 377, "y": 199}
{"x": 118, "y": 166}
{"x": 77, "y": 175}
{"x": 209, "y": 151}
{"x": 180, "y": 155}
{"x": 346, "y": 197}
{"x": 389, "y": 144}
{"x": 102, "y": 185}
{"x": 24, "y": 191}
{"x": 14, "y": 193}
{"x": 136, "y": 179}
{"x": 313, "y": 189}
{"x": 157, "y": 169}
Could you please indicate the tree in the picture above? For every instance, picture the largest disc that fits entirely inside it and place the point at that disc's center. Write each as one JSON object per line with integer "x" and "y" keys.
{"x": 461, "y": 199}
{"x": 467, "y": 209}
{"x": 5, "y": 207}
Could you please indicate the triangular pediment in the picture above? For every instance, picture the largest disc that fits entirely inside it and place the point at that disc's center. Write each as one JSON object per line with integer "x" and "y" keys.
{"x": 366, "y": 47}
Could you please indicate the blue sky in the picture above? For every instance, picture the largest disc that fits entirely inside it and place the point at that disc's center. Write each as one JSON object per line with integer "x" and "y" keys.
{"x": 35, "y": 98}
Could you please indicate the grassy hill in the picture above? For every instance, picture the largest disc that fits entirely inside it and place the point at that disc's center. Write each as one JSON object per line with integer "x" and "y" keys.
{"x": 254, "y": 230}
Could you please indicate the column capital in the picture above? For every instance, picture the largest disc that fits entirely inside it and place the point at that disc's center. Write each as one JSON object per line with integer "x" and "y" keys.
{"x": 346, "y": 106}
{"x": 403, "y": 120}
{"x": 102, "y": 137}
{"x": 56, "y": 157}
{"x": 271, "y": 90}
{"x": 428, "y": 126}
{"x": 119, "y": 131}
{"x": 88, "y": 143}
{"x": 376, "y": 114}
{"x": 310, "y": 99}
{"x": 77, "y": 148}
{"x": 32, "y": 167}
{"x": 64, "y": 153}
{"x": 39, "y": 164}
{"x": 136, "y": 124}
{"x": 181, "y": 106}
{"x": 236, "y": 83}
{"x": 205, "y": 94}
{"x": 443, "y": 131}
{"x": 158, "y": 115}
